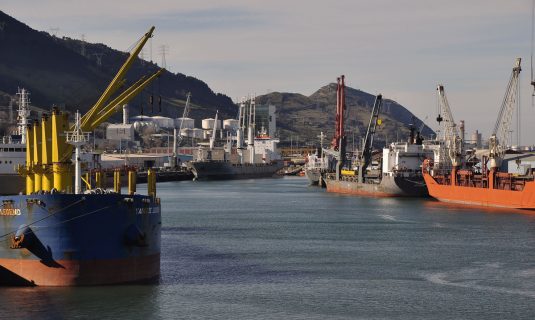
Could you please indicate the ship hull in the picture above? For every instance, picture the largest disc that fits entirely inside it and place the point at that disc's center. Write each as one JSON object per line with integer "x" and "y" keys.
{"x": 75, "y": 240}
{"x": 313, "y": 176}
{"x": 220, "y": 170}
{"x": 11, "y": 183}
{"x": 389, "y": 186}
{"x": 485, "y": 197}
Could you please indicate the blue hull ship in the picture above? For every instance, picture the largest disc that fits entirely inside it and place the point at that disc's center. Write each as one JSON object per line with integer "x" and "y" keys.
{"x": 79, "y": 239}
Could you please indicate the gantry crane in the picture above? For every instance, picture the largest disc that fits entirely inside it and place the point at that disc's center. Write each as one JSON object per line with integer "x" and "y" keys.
{"x": 498, "y": 138}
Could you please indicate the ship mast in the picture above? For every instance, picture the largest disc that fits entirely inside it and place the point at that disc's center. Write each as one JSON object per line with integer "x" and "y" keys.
{"x": 239, "y": 134}
{"x": 77, "y": 138}
{"x": 23, "y": 113}
{"x": 251, "y": 128}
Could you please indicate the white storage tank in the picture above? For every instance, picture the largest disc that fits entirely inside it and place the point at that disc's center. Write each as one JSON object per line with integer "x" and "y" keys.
{"x": 197, "y": 133}
{"x": 187, "y": 123}
{"x": 230, "y": 124}
{"x": 185, "y": 132}
{"x": 142, "y": 125}
{"x": 208, "y": 124}
{"x": 164, "y": 122}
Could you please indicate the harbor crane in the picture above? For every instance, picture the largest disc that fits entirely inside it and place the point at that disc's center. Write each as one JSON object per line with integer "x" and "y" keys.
{"x": 365, "y": 157}
{"x": 48, "y": 156}
{"x": 453, "y": 145}
{"x": 338, "y": 143}
{"x": 498, "y": 138}
{"x": 185, "y": 114}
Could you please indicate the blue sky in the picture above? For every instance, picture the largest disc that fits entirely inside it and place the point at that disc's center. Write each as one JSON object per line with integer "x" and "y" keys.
{"x": 401, "y": 49}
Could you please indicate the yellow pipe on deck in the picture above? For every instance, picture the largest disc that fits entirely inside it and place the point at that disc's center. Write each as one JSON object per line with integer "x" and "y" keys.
{"x": 38, "y": 173}
{"x": 151, "y": 182}
{"x": 46, "y": 153}
{"x": 117, "y": 180}
{"x": 29, "y": 160}
{"x": 132, "y": 177}
{"x": 98, "y": 179}
{"x": 61, "y": 168}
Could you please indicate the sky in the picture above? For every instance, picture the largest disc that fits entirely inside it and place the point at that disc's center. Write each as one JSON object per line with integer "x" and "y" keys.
{"x": 400, "y": 48}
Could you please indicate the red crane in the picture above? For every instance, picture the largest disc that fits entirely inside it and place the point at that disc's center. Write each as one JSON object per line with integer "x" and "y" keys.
{"x": 340, "y": 107}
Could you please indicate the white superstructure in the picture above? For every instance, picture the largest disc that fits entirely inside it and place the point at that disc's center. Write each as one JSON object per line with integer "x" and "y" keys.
{"x": 404, "y": 159}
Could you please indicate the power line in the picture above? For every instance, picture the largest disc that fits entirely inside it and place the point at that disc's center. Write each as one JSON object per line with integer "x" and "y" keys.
{"x": 163, "y": 50}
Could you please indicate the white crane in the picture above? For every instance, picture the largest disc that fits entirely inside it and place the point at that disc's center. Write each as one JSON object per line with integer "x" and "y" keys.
{"x": 498, "y": 138}
{"x": 178, "y": 137}
{"x": 184, "y": 116}
{"x": 450, "y": 133}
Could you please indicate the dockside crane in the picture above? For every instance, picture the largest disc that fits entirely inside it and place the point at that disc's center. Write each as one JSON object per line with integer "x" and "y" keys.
{"x": 49, "y": 155}
{"x": 452, "y": 149}
{"x": 338, "y": 143}
{"x": 498, "y": 138}
{"x": 179, "y": 138}
{"x": 365, "y": 157}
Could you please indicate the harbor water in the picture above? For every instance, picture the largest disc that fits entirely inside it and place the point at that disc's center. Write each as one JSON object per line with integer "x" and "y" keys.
{"x": 279, "y": 249}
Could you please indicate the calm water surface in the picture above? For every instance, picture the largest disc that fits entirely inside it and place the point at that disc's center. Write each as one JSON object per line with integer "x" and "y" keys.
{"x": 277, "y": 249}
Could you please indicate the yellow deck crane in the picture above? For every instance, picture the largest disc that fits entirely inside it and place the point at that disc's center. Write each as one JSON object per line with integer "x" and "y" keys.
{"x": 48, "y": 160}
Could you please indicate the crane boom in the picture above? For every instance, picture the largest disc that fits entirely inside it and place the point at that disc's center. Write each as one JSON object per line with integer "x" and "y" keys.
{"x": 184, "y": 115}
{"x": 450, "y": 132}
{"x": 366, "y": 154}
{"x": 498, "y": 138}
{"x": 119, "y": 77}
{"x": 450, "y": 129}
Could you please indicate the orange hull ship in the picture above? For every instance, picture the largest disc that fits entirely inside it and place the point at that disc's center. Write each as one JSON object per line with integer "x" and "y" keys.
{"x": 495, "y": 189}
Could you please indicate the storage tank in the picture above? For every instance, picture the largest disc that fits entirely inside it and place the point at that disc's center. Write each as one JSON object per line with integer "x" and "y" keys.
{"x": 196, "y": 133}
{"x": 208, "y": 124}
{"x": 141, "y": 125}
{"x": 185, "y": 132}
{"x": 185, "y": 123}
{"x": 230, "y": 124}
{"x": 164, "y": 122}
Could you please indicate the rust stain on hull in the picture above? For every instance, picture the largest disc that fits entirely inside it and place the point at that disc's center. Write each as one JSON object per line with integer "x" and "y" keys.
{"x": 80, "y": 273}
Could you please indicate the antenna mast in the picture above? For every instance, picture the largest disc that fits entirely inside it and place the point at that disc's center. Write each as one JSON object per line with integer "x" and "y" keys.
{"x": 77, "y": 138}
{"x": 23, "y": 113}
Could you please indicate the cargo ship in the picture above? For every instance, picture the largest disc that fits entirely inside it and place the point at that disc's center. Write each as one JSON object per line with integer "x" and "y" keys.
{"x": 486, "y": 184}
{"x": 13, "y": 149}
{"x": 12, "y": 154}
{"x": 257, "y": 157}
{"x": 57, "y": 234}
{"x": 397, "y": 173}
{"x": 400, "y": 175}
{"x": 314, "y": 167}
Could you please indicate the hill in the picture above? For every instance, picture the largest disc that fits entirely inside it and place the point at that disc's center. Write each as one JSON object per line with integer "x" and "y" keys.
{"x": 303, "y": 117}
{"x": 66, "y": 72}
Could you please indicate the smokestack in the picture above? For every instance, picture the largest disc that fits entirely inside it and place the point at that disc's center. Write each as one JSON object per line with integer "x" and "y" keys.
{"x": 126, "y": 114}
{"x": 461, "y": 128}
